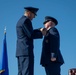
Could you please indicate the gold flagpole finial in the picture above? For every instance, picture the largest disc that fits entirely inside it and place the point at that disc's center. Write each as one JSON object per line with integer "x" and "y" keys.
{"x": 1, "y": 71}
{"x": 5, "y": 30}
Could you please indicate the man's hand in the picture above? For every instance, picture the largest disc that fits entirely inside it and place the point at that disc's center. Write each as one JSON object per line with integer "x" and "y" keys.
{"x": 43, "y": 30}
{"x": 53, "y": 59}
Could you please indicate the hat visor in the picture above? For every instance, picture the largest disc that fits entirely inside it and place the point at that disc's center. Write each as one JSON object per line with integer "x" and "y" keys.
{"x": 34, "y": 13}
{"x": 50, "y": 20}
{"x": 46, "y": 21}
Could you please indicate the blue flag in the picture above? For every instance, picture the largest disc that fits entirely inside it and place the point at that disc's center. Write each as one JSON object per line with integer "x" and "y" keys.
{"x": 4, "y": 59}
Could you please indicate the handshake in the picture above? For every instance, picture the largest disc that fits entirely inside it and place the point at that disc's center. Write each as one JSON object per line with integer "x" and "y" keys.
{"x": 43, "y": 30}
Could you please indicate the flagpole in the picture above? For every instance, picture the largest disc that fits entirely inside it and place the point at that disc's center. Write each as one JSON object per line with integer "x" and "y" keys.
{"x": 4, "y": 64}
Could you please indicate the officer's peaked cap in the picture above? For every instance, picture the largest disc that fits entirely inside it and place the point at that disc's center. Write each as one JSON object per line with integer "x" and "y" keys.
{"x": 32, "y": 9}
{"x": 49, "y": 18}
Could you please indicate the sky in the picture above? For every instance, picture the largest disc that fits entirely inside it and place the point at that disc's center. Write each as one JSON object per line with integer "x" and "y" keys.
{"x": 63, "y": 10}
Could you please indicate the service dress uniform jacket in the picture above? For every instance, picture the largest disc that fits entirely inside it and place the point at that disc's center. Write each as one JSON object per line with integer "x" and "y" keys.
{"x": 24, "y": 48}
{"x": 25, "y": 36}
{"x": 51, "y": 44}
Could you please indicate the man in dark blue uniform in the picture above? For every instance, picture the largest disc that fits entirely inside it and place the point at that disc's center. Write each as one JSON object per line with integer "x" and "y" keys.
{"x": 25, "y": 36}
{"x": 51, "y": 58}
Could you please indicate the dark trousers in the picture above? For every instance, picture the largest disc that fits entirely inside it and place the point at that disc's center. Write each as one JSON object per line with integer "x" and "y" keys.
{"x": 52, "y": 69}
{"x": 25, "y": 65}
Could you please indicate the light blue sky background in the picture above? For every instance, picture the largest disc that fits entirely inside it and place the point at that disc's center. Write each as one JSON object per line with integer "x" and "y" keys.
{"x": 63, "y": 10}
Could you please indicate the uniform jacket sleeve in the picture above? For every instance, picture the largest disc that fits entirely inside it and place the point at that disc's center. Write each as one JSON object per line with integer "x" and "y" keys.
{"x": 28, "y": 29}
{"x": 55, "y": 40}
